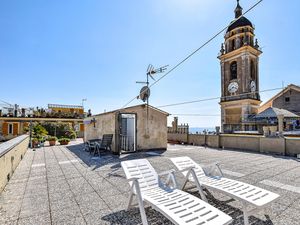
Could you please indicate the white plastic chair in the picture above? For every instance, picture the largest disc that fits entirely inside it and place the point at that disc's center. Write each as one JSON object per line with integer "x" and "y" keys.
{"x": 246, "y": 193}
{"x": 178, "y": 206}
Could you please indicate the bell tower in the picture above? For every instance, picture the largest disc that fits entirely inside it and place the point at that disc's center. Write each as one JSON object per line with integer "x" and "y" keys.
{"x": 239, "y": 60}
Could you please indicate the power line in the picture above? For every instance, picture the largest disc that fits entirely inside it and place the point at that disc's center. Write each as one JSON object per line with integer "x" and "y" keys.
{"x": 195, "y": 51}
{"x": 215, "y": 98}
{"x": 6, "y": 104}
{"x": 191, "y": 114}
{"x": 189, "y": 102}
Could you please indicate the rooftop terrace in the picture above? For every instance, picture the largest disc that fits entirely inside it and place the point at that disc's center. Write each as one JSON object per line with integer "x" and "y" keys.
{"x": 65, "y": 185}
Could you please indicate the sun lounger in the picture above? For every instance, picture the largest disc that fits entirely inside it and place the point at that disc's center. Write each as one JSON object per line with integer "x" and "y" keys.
{"x": 246, "y": 193}
{"x": 178, "y": 206}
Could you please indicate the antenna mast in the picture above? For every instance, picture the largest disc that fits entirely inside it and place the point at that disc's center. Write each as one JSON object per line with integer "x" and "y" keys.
{"x": 145, "y": 91}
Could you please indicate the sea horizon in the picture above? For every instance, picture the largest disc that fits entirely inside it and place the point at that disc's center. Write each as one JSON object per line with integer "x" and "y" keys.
{"x": 193, "y": 130}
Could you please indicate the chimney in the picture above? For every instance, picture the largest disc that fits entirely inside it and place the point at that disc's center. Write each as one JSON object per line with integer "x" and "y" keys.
{"x": 23, "y": 112}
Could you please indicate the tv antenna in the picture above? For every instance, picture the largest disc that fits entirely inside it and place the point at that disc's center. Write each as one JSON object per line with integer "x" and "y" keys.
{"x": 145, "y": 91}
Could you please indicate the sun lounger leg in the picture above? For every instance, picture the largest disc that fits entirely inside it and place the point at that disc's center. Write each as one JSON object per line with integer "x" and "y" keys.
{"x": 246, "y": 220}
{"x": 173, "y": 178}
{"x": 186, "y": 180}
{"x": 203, "y": 197}
{"x": 184, "y": 184}
{"x": 130, "y": 201}
{"x": 140, "y": 201}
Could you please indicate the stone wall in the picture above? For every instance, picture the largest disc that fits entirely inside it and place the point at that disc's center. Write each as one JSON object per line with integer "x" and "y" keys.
{"x": 273, "y": 145}
{"x": 213, "y": 141}
{"x": 11, "y": 153}
{"x": 182, "y": 138}
{"x": 250, "y": 143}
{"x": 255, "y": 143}
{"x": 105, "y": 124}
{"x": 292, "y": 146}
{"x": 195, "y": 139}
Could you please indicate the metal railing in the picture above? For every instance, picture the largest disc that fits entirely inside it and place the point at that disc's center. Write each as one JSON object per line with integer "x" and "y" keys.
{"x": 127, "y": 143}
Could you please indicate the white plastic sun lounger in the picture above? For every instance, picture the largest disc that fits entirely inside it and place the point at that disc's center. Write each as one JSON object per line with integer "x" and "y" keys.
{"x": 246, "y": 193}
{"x": 178, "y": 206}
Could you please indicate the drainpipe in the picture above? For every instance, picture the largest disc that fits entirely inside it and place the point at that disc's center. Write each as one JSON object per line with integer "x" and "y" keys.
{"x": 30, "y": 134}
{"x": 284, "y": 146}
{"x": 205, "y": 139}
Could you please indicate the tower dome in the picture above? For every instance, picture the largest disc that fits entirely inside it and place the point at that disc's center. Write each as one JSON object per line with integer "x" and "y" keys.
{"x": 242, "y": 21}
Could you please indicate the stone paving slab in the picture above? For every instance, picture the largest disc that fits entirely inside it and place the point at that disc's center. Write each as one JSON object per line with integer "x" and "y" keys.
{"x": 65, "y": 185}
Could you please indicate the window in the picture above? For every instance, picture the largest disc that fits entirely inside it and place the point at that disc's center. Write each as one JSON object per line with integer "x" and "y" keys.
{"x": 287, "y": 99}
{"x": 233, "y": 44}
{"x": 241, "y": 41}
{"x": 233, "y": 70}
{"x": 10, "y": 128}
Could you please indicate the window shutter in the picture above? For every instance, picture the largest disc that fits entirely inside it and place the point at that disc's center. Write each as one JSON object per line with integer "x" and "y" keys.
{"x": 5, "y": 129}
{"x": 81, "y": 127}
{"x": 25, "y": 126}
{"x": 15, "y": 129}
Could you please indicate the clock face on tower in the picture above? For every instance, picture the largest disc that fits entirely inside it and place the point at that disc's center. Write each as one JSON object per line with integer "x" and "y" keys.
{"x": 253, "y": 86}
{"x": 233, "y": 87}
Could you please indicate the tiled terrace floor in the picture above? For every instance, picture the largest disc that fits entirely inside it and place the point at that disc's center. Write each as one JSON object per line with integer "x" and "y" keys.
{"x": 64, "y": 185}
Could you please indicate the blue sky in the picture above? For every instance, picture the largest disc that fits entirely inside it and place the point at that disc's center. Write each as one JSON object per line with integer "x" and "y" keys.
{"x": 62, "y": 51}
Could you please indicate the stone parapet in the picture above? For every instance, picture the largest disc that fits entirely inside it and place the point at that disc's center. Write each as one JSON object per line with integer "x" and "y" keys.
{"x": 11, "y": 153}
{"x": 254, "y": 143}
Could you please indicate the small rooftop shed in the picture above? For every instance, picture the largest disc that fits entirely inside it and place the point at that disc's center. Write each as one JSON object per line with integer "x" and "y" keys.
{"x": 134, "y": 128}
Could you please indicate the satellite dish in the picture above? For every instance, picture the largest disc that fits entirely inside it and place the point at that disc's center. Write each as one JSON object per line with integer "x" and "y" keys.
{"x": 144, "y": 93}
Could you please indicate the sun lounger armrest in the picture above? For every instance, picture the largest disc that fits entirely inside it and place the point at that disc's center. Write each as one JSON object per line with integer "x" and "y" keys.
{"x": 171, "y": 177}
{"x": 133, "y": 179}
{"x": 214, "y": 165}
{"x": 166, "y": 172}
{"x": 187, "y": 169}
{"x": 134, "y": 186}
{"x": 219, "y": 168}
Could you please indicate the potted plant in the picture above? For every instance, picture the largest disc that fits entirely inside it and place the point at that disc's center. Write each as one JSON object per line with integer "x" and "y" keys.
{"x": 72, "y": 135}
{"x": 35, "y": 142}
{"x": 52, "y": 140}
{"x": 64, "y": 141}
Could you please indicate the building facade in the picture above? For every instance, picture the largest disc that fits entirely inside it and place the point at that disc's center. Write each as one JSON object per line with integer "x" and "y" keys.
{"x": 11, "y": 127}
{"x": 17, "y": 123}
{"x": 67, "y": 110}
{"x": 288, "y": 99}
{"x": 239, "y": 61}
{"x": 176, "y": 128}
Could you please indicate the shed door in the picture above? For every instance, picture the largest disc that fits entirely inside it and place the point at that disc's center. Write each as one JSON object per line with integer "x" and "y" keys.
{"x": 127, "y": 132}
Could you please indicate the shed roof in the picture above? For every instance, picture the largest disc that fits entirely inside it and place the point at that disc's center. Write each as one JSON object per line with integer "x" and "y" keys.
{"x": 132, "y": 107}
{"x": 273, "y": 112}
